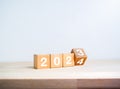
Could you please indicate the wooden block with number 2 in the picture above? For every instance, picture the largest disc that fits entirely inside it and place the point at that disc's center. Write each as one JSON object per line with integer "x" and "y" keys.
{"x": 68, "y": 59}
{"x": 41, "y": 61}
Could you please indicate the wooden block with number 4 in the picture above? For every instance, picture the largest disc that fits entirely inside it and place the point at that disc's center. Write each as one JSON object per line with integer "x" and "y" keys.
{"x": 68, "y": 59}
{"x": 56, "y": 60}
{"x": 41, "y": 61}
{"x": 79, "y": 56}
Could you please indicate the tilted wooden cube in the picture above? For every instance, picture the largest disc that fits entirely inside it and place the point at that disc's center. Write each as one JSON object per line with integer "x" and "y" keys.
{"x": 41, "y": 61}
{"x": 68, "y": 59}
{"x": 79, "y": 56}
{"x": 56, "y": 60}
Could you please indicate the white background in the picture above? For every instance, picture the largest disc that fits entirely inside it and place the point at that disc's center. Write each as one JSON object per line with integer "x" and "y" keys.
{"x": 29, "y": 27}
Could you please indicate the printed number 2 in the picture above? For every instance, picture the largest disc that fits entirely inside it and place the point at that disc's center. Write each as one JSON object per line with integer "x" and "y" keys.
{"x": 43, "y": 60}
{"x": 68, "y": 60}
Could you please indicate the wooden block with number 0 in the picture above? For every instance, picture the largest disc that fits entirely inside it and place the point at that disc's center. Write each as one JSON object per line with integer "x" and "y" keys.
{"x": 68, "y": 59}
{"x": 79, "y": 56}
{"x": 56, "y": 60}
{"x": 41, "y": 61}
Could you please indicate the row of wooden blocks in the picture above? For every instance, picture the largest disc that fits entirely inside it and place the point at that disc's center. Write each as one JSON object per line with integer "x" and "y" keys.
{"x": 76, "y": 57}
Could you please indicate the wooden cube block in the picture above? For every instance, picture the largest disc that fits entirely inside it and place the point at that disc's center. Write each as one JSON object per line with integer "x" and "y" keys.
{"x": 56, "y": 60}
{"x": 79, "y": 56}
{"x": 41, "y": 61}
{"x": 68, "y": 59}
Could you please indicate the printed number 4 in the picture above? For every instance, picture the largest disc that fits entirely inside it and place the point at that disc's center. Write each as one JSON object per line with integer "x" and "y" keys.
{"x": 80, "y": 61}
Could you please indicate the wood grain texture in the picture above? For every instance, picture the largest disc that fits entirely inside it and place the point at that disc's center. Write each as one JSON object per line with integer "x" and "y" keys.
{"x": 38, "y": 84}
{"x": 94, "y": 74}
{"x": 98, "y": 83}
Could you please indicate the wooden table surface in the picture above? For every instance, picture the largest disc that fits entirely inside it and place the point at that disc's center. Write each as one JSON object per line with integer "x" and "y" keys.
{"x": 94, "y": 74}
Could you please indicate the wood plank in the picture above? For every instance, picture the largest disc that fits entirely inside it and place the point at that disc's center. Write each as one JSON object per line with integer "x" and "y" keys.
{"x": 94, "y": 74}
{"x": 93, "y": 69}
{"x": 38, "y": 84}
{"x": 98, "y": 83}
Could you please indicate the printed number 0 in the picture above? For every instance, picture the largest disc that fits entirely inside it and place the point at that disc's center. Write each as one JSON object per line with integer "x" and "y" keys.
{"x": 56, "y": 60}
{"x": 68, "y": 60}
{"x": 80, "y": 61}
{"x": 44, "y": 60}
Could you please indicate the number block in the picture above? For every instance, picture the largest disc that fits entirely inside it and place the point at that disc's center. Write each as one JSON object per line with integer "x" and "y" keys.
{"x": 56, "y": 60}
{"x": 41, "y": 61}
{"x": 79, "y": 56}
{"x": 68, "y": 59}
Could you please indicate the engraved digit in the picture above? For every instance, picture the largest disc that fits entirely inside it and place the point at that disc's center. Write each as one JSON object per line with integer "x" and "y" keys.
{"x": 68, "y": 58}
{"x": 43, "y": 60}
{"x": 56, "y": 60}
{"x": 80, "y": 52}
{"x": 80, "y": 61}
